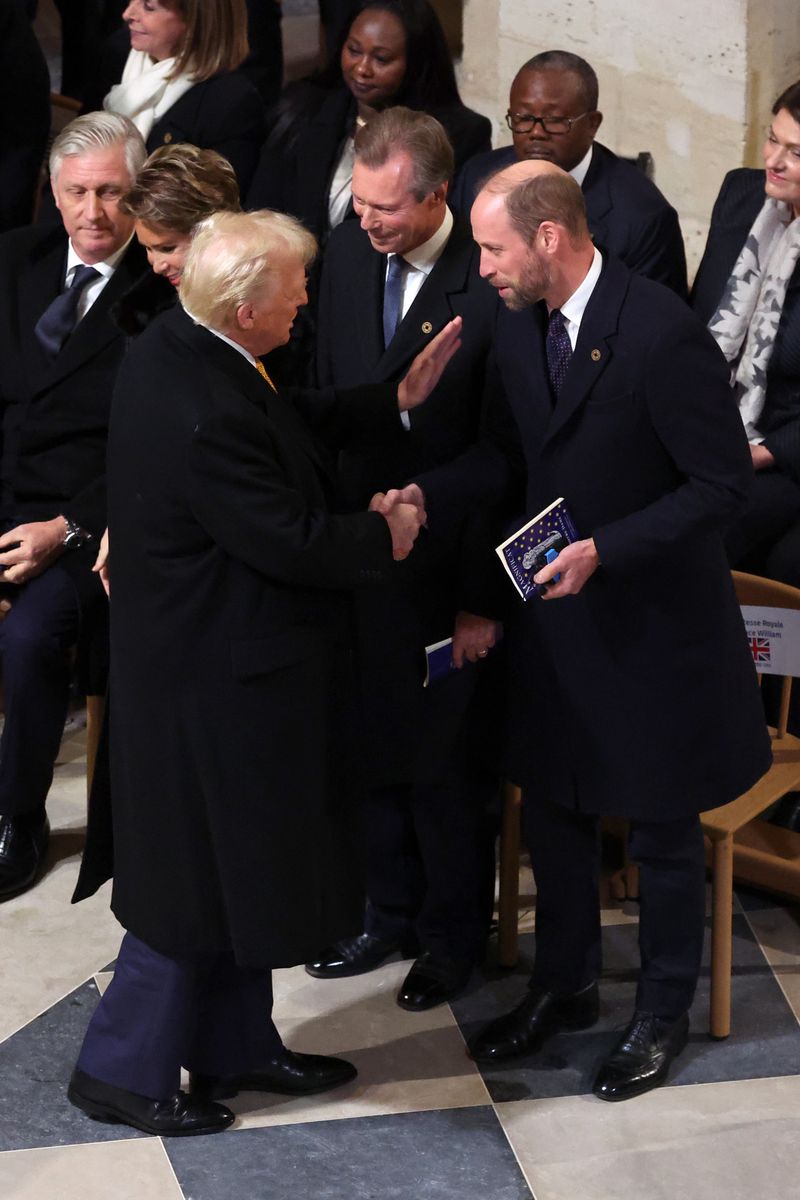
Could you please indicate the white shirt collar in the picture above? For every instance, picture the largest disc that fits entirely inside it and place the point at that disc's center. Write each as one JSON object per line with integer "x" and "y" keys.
{"x": 223, "y": 337}
{"x": 573, "y": 309}
{"x": 581, "y": 169}
{"x": 105, "y": 268}
{"x": 424, "y": 257}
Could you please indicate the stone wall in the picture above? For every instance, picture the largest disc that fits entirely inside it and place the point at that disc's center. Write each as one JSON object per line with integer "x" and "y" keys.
{"x": 692, "y": 83}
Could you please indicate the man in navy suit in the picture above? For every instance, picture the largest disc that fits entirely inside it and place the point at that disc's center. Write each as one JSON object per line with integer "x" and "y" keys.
{"x": 388, "y": 286}
{"x": 59, "y": 353}
{"x": 553, "y": 117}
{"x": 623, "y": 407}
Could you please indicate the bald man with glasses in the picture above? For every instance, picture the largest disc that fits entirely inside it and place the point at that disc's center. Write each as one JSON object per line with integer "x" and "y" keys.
{"x": 553, "y": 117}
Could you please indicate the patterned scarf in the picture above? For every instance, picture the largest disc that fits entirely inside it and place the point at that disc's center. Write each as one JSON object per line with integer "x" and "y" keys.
{"x": 745, "y": 324}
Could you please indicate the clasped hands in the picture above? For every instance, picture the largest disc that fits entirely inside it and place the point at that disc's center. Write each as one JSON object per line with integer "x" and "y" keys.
{"x": 404, "y": 512}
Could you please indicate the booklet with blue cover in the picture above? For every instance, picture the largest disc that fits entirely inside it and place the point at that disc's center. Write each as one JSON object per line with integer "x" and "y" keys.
{"x": 537, "y": 543}
{"x": 438, "y": 661}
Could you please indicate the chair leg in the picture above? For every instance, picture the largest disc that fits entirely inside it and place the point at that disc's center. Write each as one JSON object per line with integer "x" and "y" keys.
{"x": 95, "y": 708}
{"x": 721, "y": 936}
{"x": 508, "y": 903}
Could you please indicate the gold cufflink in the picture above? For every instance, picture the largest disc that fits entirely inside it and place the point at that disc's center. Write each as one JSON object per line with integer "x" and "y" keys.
{"x": 427, "y": 327}
{"x": 596, "y": 356}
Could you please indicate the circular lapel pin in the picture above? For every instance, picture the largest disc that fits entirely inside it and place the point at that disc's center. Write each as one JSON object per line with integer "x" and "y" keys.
{"x": 427, "y": 327}
{"x": 596, "y": 356}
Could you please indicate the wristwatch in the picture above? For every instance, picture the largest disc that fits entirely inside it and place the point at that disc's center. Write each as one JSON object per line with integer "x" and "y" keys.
{"x": 75, "y": 537}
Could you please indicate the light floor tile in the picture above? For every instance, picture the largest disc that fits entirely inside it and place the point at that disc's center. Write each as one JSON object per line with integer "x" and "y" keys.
{"x": 737, "y": 1140}
{"x": 407, "y": 1062}
{"x": 122, "y": 1170}
{"x": 778, "y": 932}
{"x": 49, "y": 945}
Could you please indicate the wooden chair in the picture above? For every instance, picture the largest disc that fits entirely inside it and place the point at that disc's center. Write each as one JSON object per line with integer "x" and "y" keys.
{"x": 752, "y": 850}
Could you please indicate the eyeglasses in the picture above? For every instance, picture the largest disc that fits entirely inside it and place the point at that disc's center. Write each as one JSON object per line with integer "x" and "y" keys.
{"x": 525, "y": 122}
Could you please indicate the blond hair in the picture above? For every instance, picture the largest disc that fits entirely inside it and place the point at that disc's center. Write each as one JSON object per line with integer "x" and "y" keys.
{"x": 180, "y": 185}
{"x": 236, "y": 257}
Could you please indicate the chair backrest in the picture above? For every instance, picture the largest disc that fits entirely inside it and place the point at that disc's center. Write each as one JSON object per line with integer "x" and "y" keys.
{"x": 771, "y": 614}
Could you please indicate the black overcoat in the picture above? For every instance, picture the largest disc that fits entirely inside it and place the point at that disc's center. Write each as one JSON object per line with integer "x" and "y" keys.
{"x": 638, "y": 696}
{"x": 230, "y": 656}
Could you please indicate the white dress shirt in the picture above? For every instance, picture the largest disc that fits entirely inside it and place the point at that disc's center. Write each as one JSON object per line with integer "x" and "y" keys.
{"x": 92, "y": 290}
{"x": 573, "y": 309}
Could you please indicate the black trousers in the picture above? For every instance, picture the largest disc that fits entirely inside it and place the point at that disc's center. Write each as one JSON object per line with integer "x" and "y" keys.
{"x": 159, "y": 1014}
{"x": 424, "y": 867}
{"x": 765, "y": 538}
{"x": 34, "y": 639}
{"x": 564, "y": 846}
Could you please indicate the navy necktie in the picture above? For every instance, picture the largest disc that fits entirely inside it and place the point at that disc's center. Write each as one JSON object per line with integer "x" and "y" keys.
{"x": 60, "y": 318}
{"x": 393, "y": 297}
{"x": 559, "y": 350}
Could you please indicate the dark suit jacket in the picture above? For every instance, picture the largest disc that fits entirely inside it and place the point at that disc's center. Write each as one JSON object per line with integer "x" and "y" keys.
{"x": 737, "y": 206}
{"x": 638, "y": 696}
{"x": 55, "y": 413}
{"x": 300, "y": 155}
{"x": 402, "y": 736}
{"x": 627, "y": 213}
{"x": 225, "y": 114}
{"x": 229, "y": 655}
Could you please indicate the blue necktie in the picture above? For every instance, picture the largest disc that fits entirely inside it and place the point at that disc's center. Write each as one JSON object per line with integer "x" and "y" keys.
{"x": 393, "y": 297}
{"x": 61, "y": 316}
{"x": 559, "y": 350}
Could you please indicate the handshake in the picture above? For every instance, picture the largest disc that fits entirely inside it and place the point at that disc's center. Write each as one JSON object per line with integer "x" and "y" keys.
{"x": 404, "y": 512}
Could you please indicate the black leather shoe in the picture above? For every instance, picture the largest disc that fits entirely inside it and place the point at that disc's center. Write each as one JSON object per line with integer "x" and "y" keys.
{"x": 432, "y": 980}
{"x": 290, "y": 1074}
{"x": 179, "y": 1116}
{"x": 356, "y": 956}
{"x": 23, "y": 845}
{"x": 541, "y": 1013}
{"x": 642, "y": 1057}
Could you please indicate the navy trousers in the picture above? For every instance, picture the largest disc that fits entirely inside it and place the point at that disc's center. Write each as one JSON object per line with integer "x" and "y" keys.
{"x": 159, "y": 1014}
{"x": 564, "y": 846}
{"x": 34, "y": 639}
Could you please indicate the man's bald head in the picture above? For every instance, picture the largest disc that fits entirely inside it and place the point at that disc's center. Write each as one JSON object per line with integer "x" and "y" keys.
{"x": 534, "y": 191}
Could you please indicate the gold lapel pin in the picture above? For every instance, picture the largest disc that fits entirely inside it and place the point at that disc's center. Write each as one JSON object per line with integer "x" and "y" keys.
{"x": 427, "y": 327}
{"x": 596, "y": 356}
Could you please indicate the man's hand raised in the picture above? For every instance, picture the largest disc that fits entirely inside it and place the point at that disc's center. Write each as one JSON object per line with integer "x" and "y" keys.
{"x": 426, "y": 369}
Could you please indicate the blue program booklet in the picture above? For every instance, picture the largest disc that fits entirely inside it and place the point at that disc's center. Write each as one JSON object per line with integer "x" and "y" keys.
{"x": 536, "y": 544}
{"x": 438, "y": 661}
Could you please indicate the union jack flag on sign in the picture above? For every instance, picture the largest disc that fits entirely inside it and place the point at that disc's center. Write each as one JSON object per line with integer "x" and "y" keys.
{"x": 760, "y": 649}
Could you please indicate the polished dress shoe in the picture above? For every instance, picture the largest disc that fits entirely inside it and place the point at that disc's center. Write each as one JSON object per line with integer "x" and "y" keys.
{"x": 357, "y": 955}
{"x": 289, "y": 1074}
{"x": 179, "y": 1116}
{"x": 541, "y": 1013}
{"x": 23, "y": 845}
{"x": 642, "y": 1057}
{"x": 432, "y": 980}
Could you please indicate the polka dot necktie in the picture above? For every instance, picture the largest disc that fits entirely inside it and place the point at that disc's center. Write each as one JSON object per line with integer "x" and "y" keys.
{"x": 559, "y": 350}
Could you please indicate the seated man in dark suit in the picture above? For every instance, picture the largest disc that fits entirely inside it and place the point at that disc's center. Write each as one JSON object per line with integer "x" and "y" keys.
{"x": 553, "y": 116}
{"x": 388, "y": 286}
{"x": 59, "y": 353}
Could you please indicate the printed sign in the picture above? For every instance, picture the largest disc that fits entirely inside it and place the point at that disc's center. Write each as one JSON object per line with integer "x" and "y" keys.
{"x": 774, "y": 638}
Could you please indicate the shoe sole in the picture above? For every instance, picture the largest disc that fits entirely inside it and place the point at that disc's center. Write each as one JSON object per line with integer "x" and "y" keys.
{"x": 111, "y": 1116}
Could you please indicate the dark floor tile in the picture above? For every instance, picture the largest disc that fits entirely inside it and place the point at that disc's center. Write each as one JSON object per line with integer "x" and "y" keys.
{"x": 459, "y": 1153}
{"x": 752, "y": 900}
{"x": 765, "y": 1040}
{"x": 35, "y": 1066}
